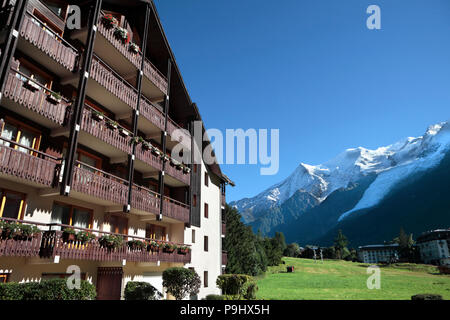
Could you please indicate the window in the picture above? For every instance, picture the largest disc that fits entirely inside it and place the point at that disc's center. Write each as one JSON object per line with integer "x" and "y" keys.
{"x": 30, "y": 70}
{"x": 156, "y": 232}
{"x": 206, "y": 210}
{"x": 4, "y": 277}
{"x": 12, "y": 205}
{"x": 21, "y": 134}
{"x": 71, "y": 215}
{"x": 193, "y": 236}
{"x": 205, "y": 243}
{"x": 205, "y": 279}
{"x": 206, "y": 179}
{"x": 58, "y": 7}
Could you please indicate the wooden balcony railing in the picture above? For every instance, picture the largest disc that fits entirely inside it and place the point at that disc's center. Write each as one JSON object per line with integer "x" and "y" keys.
{"x": 35, "y": 32}
{"x": 224, "y": 258}
{"x": 26, "y": 163}
{"x": 148, "y": 157}
{"x": 102, "y": 130}
{"x": 113, "y": 82}
{"x": 177, "y": 173}
{"x": 176, "y": 210}
{"x": 223, "y": 199}
{"x": 51, "y": 243}
{"x": 35, "y": 97}
{"x": 134, "y": 58}
{"x": 153, "y": 74}
{"x": 145, "y": 199}
{"x": 152, "y": 113}
{"x": 99, "y": 184}
{"x": 181, "y": 134}
{"x": 224, "y": 228}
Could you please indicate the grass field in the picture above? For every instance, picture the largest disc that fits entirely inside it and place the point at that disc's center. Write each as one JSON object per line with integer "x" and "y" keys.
{"x": 336, "y": 280}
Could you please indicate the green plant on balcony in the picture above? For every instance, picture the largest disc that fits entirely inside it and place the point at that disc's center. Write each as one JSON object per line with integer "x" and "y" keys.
{"x": 69, "y": 235}
{"x": 54, "y": 97}
{"x": 156, "y": 151}
{"x": 109, "y": 21}
{"x": 27, "y": 232}
{"x": 134, "y": 48}
{"x": 85, "y": 236}
{"x": 186, "y": 169}
{"x": 184, "y": 250}
{"x": 146, "y": 145}
{"x": 97, "y": 115}
{"x": 122, "y": 34}
{"x": 124, "y": 132}
{"x": 169, "y": 247}
{"x": 110, "y": 242}
{"x": 136, "y": 244}
{"x": 113, "y": 125}
{"x": 153, "y": 246}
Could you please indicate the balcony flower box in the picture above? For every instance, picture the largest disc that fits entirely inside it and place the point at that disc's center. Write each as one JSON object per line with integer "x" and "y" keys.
{"x": 112, "y": 125}
{"x": 136, "y": 245}
{"x": 109, "y": 21}
{"x": 122, "y": 35}
{"x": 123, "y": 132}
{"x": 69, "y": 235}
{"x": 84, "y": 237}
{"x": 156, "y": 152}
{"x": 134, "y": 48}
{"x": 183, "y": 250}
{"x": 33, "y": 86}
{"x": 153, "y": 246}
{"x": 146, "y": 145}
{"x": 110, "y": 242}
{"x": 54, "y": 98}
{"x": 169, "y": 248}
{"x": 186, "y": 169}
{"x": 97, "y": 115}
{"x": 164, "y": 157}
{"x": 26, "y": 232}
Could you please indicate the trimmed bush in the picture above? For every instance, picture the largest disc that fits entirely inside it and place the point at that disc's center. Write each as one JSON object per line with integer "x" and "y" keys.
{"x": 181, "y": 282}
{"x": 219, "y": 297}
{"x": 135, "y": 290}
{"x": 427, "y": 296}
{"x": 55, "y": 289}
{"x": 238, "y": 285}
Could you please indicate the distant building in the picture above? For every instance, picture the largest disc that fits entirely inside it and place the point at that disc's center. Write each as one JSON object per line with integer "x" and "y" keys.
{"x": 434, "y": 247}
{"x": 378, "y": 253}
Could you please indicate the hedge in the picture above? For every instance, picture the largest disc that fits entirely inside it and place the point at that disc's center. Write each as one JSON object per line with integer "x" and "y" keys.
{"x": 238, "y": 285}
{"x": 427, "y": 296}
{"x": 55, "y": 289}
{"x": 135, "y": 290}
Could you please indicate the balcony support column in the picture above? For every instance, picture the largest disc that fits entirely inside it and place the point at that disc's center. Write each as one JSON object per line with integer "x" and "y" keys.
{"x": 9, "y": 47}
{"x": 75, "y": 124}
{"x": 135, "y": 117}
{"x": 163, "y": 139}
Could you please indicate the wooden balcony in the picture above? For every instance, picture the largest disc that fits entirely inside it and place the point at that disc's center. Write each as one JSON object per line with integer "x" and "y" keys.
{"x": 224, "y": 258}
{"x": 50, "y": 242}
{"x": 46, "y": 46}
{"x": 176, "y": 210}
{"x": 145, "y": 200}
{"x": 181, "y": 135}
{"x": 152, "y": 113}
{"x": 156, "y": 78}
{"x": 114, "y": 83}
{"x": 29, "y": 165}
{"x": 99, "y": 184}
{"x": 22, "y": 91}
{"x": 102, "y": 129}
{"x": 223, "y": 199}
{"x": 177, "y": 173}
{"x": 224, "y": 228}
{"x": 148, "y": 158}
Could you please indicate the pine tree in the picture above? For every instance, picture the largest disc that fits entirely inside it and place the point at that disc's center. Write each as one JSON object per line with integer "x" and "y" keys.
{"x": 340, "y": 243}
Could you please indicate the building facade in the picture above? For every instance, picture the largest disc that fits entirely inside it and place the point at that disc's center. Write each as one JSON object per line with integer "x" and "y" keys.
{"x": 378, "y": 253}
{"x": 91, "y": 121}
{"x": 434, "y": 247}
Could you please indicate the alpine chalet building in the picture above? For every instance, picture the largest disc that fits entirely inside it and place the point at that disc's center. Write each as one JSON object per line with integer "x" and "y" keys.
{"x": 89, "y": 117}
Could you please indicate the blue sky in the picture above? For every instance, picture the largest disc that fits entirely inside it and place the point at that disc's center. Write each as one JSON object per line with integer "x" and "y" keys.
{"x": 314, "y": 71}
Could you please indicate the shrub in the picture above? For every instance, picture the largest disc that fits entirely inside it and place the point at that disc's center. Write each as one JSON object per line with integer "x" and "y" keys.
{"x": 135, "y": 290}
{"x": 55, "y": 289}
{"x": 180, "y": 282}
{"x": 238, "y": 285}
{"x": 427, "y": 296}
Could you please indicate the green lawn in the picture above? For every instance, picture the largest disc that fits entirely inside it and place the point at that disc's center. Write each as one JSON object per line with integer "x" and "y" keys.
{"x": 347, "y": 280}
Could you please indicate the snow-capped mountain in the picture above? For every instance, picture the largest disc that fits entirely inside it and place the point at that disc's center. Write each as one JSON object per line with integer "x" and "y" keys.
{"x": 389, "y": 165}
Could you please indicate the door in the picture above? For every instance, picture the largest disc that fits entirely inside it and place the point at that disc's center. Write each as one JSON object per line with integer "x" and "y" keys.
{"x": 118, "y": 224}
{"x": 109, "y": 283}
